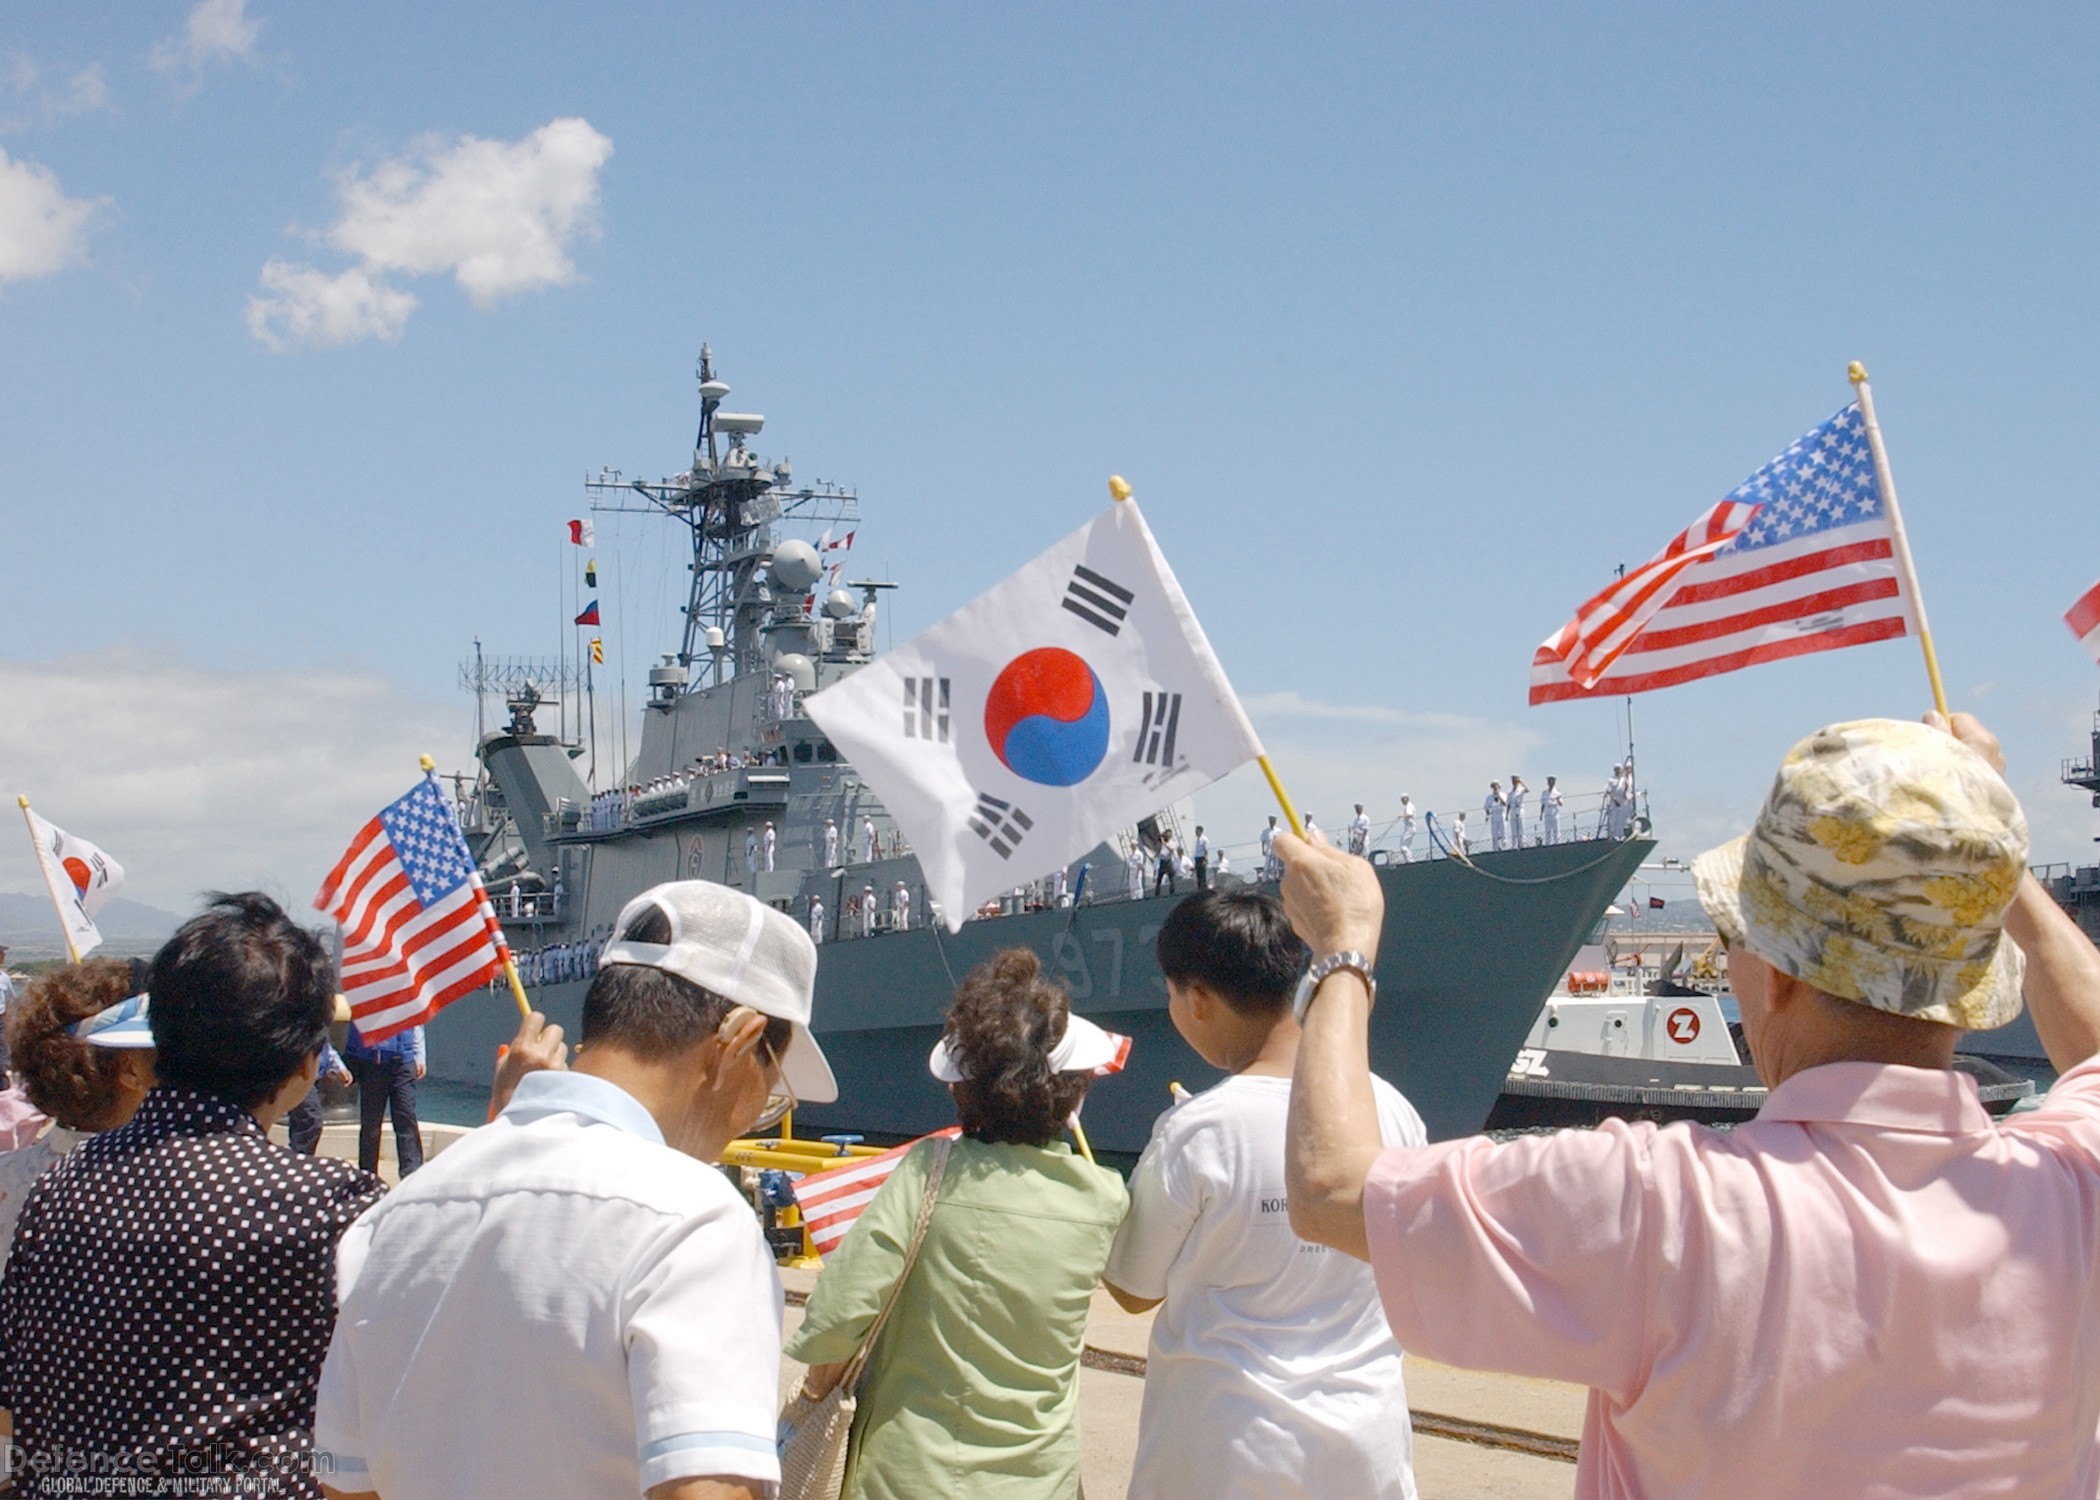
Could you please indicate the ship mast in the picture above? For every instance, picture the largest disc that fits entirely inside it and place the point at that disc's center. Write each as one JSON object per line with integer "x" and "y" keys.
{"x": 729, "y": 501}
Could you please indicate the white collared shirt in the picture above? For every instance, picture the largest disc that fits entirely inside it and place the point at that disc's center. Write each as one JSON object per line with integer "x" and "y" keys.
{"x": 560, "y": 1304}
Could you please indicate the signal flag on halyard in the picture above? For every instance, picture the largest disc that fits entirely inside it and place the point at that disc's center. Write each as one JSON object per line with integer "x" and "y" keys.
{"x": 589, "y": 615}
{"x": 1797, "y": 559}
{"x": 80, "y": 876}
{"x": 583, "y": 533}
{"x": 2084, "y": 620}
{"x": 417, "y": 928}
{"x": 1068, "y": 702}
{"x": 597, "y": 652}
{"x": 831, "y": 1200}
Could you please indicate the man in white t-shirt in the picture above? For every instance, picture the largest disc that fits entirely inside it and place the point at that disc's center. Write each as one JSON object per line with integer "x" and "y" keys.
{"x": 572, "y": 1300}
{"x": 1271, "y": 1371}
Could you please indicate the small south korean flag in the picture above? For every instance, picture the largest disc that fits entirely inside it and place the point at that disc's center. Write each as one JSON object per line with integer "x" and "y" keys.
{"x": 1066, "y": 703}
{"x": 81, "y": 878}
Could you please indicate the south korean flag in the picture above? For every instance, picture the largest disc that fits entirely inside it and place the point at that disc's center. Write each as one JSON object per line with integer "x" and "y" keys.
{"x": 1057, "y": 709}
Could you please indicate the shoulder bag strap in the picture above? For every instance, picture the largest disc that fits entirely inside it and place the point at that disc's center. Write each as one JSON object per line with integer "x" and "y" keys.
{"x": 935, "y": 1170}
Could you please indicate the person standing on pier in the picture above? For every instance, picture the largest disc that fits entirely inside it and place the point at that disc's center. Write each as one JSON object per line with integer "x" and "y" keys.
{"x": 1549, "y": 812}
{"x": 1517, "y": 793}
{"x": 387, "y": 1074}
{"x": 573, "y": 1300}
{"x": 172, "y": 1282}
{"x": 1496, "y": 807}
{"x": 1883, "y": 1291}
{"x": 1271, "y": 1371}
{"x": 1407, "y": 829}
{"x": 1360, "y": 833}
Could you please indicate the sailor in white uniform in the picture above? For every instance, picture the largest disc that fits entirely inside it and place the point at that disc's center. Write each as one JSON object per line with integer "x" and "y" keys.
{"x": 1407, "y": 829}
{"x": 1496, "y": 806}
{"x": 1360, "y": 833}
{"x": 867, "y": 911}
{"x": 867, "y": 841}
{"x": 1549, "y": 811}
{"x": 1312, "y": 834}
{"x": 900, "y": 906}
{"x": 1458, "y": 833}
{"x": 767, "y": 845}
{"x": 831, "y": 844}
{"x": 1270, "y": 869}
{"x": 1517, "y": 793}
{"x": 816, "y": 919}
{"x": 1137, "y": 871}
{"x": 1615, "y": 804}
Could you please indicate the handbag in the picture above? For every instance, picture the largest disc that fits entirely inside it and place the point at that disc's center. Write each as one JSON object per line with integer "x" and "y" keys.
{"x": 813, "y": 1451}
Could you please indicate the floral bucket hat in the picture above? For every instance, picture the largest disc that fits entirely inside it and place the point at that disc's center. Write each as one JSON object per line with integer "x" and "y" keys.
{"x": 1879, "y": 870}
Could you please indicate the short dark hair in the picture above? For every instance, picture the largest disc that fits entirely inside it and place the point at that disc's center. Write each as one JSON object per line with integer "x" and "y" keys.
{"x": 652, "y": 1013}
{"x": 1238, "y": 944}
{"x": 1004, "y": 1023}
{"x": 63, "y": 1076}
{"x": 242, "y": 997}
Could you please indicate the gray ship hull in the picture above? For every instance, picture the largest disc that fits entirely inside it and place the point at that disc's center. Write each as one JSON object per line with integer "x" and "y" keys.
{"x": 1468, "y": 958}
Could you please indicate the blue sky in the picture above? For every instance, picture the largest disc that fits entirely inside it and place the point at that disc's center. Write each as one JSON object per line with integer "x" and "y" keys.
{"x": 1407, "y": 323}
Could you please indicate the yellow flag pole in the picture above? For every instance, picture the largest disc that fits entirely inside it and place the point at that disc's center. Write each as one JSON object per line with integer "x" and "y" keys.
{"x": 1899, "y": 541}
{"x": 1119, "y": 488}
{"x": 44, "y": 868}
{"x": 510, "y": 968}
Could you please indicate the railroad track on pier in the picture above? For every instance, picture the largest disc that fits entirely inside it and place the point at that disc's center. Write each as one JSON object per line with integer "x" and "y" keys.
{"x": 1431, "y": 1423}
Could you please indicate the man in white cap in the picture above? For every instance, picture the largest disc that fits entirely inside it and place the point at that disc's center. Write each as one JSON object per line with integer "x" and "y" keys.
{"x": 831, "y": 844}
{"x": 1407, "y": 829}
{"x": 900, "y": 906}
{"x": 1360, "y": 832}
{"x": 767, "y": 844}
{"x": 867, "y": 841}
{"x": 573, "y": 1300}
{"x": 867, "y": 910}
{"x": 1549, "y": 811}
{"x": 1496, "y": 808}
{"x": 1517, "y": 793}
{"x": 1871, "y": 1289}
{"x": 1270, "y": 869}
{"x": 816, "y": 919}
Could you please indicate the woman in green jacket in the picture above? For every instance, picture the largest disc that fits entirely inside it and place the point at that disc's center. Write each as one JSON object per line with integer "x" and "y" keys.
{"x": 973, "y": 1387}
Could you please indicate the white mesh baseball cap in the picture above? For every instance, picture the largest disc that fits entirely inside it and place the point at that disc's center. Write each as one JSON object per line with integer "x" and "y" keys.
{"x": 742, "y": 950}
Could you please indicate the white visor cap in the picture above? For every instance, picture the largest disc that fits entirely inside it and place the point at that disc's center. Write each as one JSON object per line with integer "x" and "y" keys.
{"x": 127, "y": 1026}
{"x": 742, "y": 950}
{"x": 1085, "y": 1048}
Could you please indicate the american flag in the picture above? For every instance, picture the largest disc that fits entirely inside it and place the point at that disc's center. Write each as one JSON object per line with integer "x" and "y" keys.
{"x": 2084, "y": 620}
{"x": 1797, "y": 559}
{"x": 418, "y": 931}
{"x": 831, "y": 1200}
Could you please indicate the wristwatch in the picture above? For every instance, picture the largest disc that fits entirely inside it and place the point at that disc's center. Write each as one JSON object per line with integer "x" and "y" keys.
{"x": 1348, "y": 958}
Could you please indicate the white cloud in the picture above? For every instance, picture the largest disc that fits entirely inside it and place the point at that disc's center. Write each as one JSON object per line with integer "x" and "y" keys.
{"x": 38, "y": 103}
{"x": 41, "y": 229}
{"x": 217, "y": 31}
{"x": 300, "y": 307}
{"x": 499, "y": 216}
{"x": 199, "y": 778}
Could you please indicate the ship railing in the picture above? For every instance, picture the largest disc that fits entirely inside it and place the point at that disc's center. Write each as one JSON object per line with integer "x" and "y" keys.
{"x": 1582, "y": 818}
{"x": 528, "y": 906}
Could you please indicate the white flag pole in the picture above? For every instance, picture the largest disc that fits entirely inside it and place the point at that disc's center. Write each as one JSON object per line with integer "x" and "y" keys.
{"x": 1898, "y": 541}
{"x": 1120, "y": 489}
{"x": 44, "y": 868}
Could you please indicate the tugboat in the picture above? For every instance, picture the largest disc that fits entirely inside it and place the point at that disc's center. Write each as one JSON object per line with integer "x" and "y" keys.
{"x": 733, "y": 782}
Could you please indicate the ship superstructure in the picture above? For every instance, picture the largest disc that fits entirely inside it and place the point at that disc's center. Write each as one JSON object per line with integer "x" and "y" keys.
{"x": 733, "y": 782}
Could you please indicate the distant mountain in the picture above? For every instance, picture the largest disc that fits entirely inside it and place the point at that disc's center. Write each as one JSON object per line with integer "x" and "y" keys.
{"x": 130, "y": 929}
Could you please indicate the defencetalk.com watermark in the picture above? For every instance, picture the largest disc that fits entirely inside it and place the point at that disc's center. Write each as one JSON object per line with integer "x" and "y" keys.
{"x": 205, "y": 1469}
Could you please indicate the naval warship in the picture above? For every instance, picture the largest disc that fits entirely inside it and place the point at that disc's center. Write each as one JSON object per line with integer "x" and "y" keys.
{"x": 732, "y": 782}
